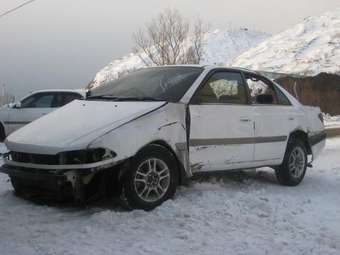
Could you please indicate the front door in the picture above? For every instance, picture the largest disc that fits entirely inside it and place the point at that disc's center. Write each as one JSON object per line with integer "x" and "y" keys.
{"x": 221, "y": 128}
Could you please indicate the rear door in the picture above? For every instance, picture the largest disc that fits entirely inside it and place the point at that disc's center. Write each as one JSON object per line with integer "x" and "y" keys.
{"x": 275, "y": 118}
{"x": 221, "y": 129}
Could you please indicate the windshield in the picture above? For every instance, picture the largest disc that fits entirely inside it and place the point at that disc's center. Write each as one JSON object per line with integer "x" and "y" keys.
{"x": 155, "y": 83}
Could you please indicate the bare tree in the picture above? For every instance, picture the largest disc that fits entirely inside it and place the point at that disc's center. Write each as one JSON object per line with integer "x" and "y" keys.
{"x": 170, "y": 39}
{"x": 195, "y": 51}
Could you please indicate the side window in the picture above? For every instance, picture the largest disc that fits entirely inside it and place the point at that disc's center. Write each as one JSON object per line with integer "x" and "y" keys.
{"x": 28, "y": 101}
{"x": 282, "y": 99}
{"x": 223, "y": 88}
{"x": 39, "y": 100}
{"x": 261, "y": 90}
{"x": 69, "y": 97}
{"x": 65, "y": 98}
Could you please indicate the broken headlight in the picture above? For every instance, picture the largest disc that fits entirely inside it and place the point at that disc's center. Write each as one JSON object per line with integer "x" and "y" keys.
{"x": 86, "y": 156}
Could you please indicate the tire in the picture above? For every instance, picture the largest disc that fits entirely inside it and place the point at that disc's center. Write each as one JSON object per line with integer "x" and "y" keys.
{"x": 19, "y": 189}
{"x": 146, "y": 187}
{"x": 293, "y": 169}
{"x": 2, "y": 133}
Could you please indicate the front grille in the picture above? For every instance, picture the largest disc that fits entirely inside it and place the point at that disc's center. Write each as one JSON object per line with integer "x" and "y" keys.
{"x": 35, "y": 158}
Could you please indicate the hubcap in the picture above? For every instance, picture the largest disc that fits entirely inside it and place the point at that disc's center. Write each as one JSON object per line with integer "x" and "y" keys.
{"x": 297, "y": 162}
{"x": 152, "y": 179}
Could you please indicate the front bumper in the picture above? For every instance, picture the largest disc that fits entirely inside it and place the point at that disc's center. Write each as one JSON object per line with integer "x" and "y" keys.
{"x": 37, "y": 181}
{"x": 59, "y": 181}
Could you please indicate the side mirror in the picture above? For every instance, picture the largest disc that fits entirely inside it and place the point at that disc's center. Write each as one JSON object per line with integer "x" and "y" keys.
{"x": 17, "y": 105}
{"x": 264, "y": 99}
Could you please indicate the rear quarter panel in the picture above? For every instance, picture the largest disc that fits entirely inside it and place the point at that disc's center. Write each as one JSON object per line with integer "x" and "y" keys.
{"x": 315, "y": 129}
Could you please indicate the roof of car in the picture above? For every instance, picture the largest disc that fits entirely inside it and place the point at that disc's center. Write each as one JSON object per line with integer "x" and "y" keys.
{"x": 211, "y": 67}
{"x": 231, "y": 68}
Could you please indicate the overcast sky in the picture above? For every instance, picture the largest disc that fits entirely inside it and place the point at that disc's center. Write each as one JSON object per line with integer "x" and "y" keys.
{"x": 63, "y": 43}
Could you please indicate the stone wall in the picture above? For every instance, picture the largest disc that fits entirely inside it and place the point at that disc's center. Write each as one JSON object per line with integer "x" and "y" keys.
{"x": 322, "y": 90}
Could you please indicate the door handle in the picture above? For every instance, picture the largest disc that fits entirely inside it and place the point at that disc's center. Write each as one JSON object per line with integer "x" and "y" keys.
{"x": 197, "y": 115}
{"x": 291, "y": 118}
{"x": 245, "y": 120}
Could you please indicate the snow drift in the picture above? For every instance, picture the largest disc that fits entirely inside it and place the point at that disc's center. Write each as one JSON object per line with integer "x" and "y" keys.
{"x": 308, "y": 48}
{"x": 220, "y": 47}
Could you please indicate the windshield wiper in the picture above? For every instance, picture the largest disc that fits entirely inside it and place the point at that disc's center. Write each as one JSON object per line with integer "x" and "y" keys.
{"x": 104, "y": 97}
{"x": 115, "y": 98}
{"x": 142, "y": 98}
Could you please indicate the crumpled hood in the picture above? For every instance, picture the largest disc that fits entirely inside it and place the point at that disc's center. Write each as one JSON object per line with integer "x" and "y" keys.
{"x": 75, "y": 125}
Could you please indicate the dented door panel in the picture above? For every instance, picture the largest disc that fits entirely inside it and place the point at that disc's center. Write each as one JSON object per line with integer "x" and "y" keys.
{"x": 219, "y": 137}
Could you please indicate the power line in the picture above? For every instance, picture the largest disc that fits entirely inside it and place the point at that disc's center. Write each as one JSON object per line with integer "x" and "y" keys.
{"x": 16, "y": 8}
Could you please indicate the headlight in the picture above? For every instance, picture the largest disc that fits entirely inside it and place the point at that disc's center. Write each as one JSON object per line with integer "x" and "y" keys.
{"x": 86, "y": 156}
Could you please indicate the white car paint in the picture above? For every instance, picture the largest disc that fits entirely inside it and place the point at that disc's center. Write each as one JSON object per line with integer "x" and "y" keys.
{"x": 79, "y": 130}
{"x": 226, "y": 126}
{"x": 13, "y": 117}
{"x": 220, "y": 137}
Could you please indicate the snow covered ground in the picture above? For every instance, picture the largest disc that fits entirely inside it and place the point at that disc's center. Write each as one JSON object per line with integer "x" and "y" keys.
{"x": 332, "y": 121}
{"x": 244, "y": 213}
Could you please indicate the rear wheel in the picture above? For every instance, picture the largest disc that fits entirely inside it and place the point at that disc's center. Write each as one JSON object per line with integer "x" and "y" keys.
{"x": 293, "y": 168}
{"x": 151, "y": 178}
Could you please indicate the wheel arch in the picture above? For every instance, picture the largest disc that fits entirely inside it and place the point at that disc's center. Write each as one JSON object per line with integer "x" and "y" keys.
{"x": 183, "y": 178}
{"x": 302, "y": 136}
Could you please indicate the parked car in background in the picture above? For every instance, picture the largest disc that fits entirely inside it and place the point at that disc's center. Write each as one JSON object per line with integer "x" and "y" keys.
{"x": 149, "y": 131}
{"x": 33, "y": 106}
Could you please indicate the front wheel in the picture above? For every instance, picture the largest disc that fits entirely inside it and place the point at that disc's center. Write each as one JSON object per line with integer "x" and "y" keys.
{"x": 151, "y": 178}
{"x": 293, "y": 168}
{"x": 2, "y": 133}
{"x": 19, "y": 188}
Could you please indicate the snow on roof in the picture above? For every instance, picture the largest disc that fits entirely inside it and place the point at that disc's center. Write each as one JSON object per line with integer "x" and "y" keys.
{"x": 309, "y": 48}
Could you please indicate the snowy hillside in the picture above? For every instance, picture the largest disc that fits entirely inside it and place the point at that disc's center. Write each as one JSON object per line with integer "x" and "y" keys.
{"x": 308, "y": 48}
{"x": 220, "y": 47}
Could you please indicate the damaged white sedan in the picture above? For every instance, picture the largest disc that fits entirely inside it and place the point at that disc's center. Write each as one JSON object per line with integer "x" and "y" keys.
{"x": 144, "y": 134}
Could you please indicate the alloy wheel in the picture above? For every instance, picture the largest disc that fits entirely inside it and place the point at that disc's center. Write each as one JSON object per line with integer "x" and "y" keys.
{"x": 297, "y": 162}
{"x": 152, "y": 179}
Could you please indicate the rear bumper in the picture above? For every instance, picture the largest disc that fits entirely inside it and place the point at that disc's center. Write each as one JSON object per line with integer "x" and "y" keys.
{"x": 317, "y": 142}
{"x": 316, "y": 138}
